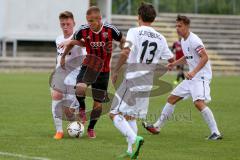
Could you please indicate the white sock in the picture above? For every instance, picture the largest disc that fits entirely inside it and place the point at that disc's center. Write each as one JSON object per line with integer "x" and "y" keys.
{"x": 209, "y": 119}
{"x": 133, "y": 125}
{"x": 57, "y": 121}
{"x": 122, "y": 125}
{"x": 165, "y": 115}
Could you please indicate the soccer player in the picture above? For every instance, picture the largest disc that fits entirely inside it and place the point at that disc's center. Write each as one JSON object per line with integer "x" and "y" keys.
{"x": 67, "y": 24}
{"x": 143, "y": 49}
{"x": 197, "y": 80}
{"x": 177, "y": 50}
{"x": 98, "y": 37}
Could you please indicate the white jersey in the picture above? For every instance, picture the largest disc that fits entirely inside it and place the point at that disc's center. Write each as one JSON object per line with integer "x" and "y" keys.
{"x": 75, "y": 52}
{"x": 192, "y": 47}
{"x": 147, "y": 46}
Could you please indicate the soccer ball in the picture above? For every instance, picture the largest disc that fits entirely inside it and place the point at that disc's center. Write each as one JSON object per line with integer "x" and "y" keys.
{"x": 75, "y": 129}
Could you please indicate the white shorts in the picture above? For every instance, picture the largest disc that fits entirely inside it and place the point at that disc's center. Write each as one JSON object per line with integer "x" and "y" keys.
{"x": 69, "y": 88}
{"x": 129, "y": 102}
{"x": 197, "y": 89}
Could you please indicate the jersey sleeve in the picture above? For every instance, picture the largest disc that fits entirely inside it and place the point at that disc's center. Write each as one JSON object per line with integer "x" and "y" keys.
{"x": 57, "y": 46}
{"x": 78, "y": 34}
{"x": 117, "y": 35}
{"x": 166, "y": 52}
{"x": 197, "y": 44}
{"x": 130, "y": 39}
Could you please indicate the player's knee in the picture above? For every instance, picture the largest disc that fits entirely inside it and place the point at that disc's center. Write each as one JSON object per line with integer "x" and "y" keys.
{"x": 56, "y": 95}
{"x": 80, "y": 89}
{"x": 199, "y": 104}
{"x": 111, "y": 116}
{"x": 172, "y": 99}
{"x": 129, "y": 118}
{"x": 97, "y": 105}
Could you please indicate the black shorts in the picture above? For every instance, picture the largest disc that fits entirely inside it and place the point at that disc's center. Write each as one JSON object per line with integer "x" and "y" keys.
{"x": 97, "y": 80}
{"x": 180, "y": 67}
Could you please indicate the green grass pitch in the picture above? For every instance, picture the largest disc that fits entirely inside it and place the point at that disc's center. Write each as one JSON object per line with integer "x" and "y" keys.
{"x": 26, "y": 126}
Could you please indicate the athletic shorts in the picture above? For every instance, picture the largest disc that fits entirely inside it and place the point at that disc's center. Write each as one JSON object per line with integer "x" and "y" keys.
{"x": 97, "y": 80}
{"x": 130, "y": 102}
{"x": 180, "y": 67}
{"x": 66, "y": 85}
{"x": 64, "y": 81}
{"x": 197, "y": 89}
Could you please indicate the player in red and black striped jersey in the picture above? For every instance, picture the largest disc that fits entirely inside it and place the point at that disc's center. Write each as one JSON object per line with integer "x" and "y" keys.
{"x": 177, "y": 50}
{"x": 95, "y": 70}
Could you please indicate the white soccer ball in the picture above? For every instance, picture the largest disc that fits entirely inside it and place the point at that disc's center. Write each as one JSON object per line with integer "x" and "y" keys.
{"x": 75, "y": 129}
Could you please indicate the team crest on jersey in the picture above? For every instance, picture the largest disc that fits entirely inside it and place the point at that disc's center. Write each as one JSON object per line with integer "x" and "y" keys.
{"x": 105, "y": 34}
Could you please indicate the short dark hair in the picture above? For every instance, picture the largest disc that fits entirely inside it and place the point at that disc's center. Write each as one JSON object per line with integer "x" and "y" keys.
{"x": 65, "y": 15}
{"x": 93, "y": 9}
{"x": 147, "y": 12}
{"x": 184, "y": 19}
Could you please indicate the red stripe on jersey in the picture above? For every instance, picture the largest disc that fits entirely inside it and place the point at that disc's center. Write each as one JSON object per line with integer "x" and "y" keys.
{"x": 98, "y": 46}
{"x": 199, "y": 49}
{"x": 108, "y": 51}
{"x": 91, "y": 58}
{"x": 97, "y": 50}
{"x": 84, "y": 32}
{"x": 103, "y": 39}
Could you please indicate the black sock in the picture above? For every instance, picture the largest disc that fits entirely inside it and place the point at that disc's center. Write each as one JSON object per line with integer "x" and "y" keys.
{"x": 182, "y": 75}
{"x": 178, "y": 77}
{"x": 95, "y": 114}
{"x": 81, "y": 101}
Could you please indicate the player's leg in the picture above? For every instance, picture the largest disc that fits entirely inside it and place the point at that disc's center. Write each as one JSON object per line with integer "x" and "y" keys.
{"x": 81, "y": 88}
{"x": 200, "y": 91}
{"x": 56, "y": 99}
{"x": 209, "y": 119}
{"x": 133, "y": 124}
{"x": 94, "y": 116}
{"x": 72, "y": 108}
{"x": 182, "y": 72}
{"x": 99, "y": 93}
{"x": 179, "y": 73}
{"x": 166, "y": 113}
{"x": 127, "y": 128}
{"x": 72, "y": 105}
{"x": 123, "y": 126}
{"x": 181, "y": 91}
{"x": 80, "y": 96}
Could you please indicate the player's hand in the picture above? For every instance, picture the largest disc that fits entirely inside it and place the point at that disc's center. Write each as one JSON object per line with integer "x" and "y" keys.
{"x": 64, "y": 44}
{"x": 62, "y": 62}
{"x": 170, "y": 66}
{"x": 114, "y": 77}
{"x": 190, "y": 75}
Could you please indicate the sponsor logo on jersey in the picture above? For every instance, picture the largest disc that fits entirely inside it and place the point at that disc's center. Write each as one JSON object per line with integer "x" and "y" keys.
{"x": 97, "y": 44}
{"x": 189, "y": 57}
{"x": 105, "y": 34}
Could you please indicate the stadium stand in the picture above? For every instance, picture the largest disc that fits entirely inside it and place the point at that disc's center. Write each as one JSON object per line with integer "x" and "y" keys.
{"x": 220, "y": 33}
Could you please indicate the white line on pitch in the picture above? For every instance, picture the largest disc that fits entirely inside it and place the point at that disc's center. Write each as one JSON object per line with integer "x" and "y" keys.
{"x": 22, "y": 156}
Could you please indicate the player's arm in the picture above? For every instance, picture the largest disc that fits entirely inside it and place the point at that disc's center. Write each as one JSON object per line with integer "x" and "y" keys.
{"x": 182, "y": 60}
{"x": 67, "y": 49}
{"x": 171, "y": 60}
{"x": 118, "y": 36}
{"x": 122, "y": 42}
{"x": 122, "y": 60}
{"x": 203, "y": 60}
{"x": 76, "y": 37}
{"x": 80, "y": 43}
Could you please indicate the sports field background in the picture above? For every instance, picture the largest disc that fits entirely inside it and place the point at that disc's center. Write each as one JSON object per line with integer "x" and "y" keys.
{"x": 26, "y": 125}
